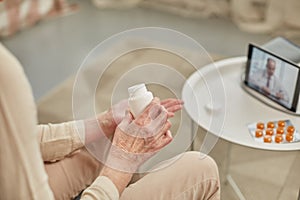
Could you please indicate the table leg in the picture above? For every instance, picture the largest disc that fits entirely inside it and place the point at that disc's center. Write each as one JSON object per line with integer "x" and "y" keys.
{"x": 228, "y": 176}
{"x": 227, "y": 162}
{"x": 192, "y": 135}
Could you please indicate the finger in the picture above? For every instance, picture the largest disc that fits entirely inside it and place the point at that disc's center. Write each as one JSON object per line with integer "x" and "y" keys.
{"x": 170, "y": 102}
{"x": 154, "y": 102}
{"x": 173, "y": 105}
{"x": 166, "y": 127}
{"x": 168, "y": 134}
{"x": 171, "y": 114}
{"x": 121, "y": 104}
{"x": 163, "y": 130}
{"x": 119, "y": 110}
{"x": 147, "y": 116}
{"x": 163, "y": 141}
{"x": 174, "y": 108}
{"x": 155, "y": 110}
{"x": 127, "y": 119}
{"x": 167, "y": 138}
{"x": 159, "y": 122}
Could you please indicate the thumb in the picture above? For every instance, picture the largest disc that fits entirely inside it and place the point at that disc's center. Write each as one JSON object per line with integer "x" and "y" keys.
{"x": 127, "y": 119}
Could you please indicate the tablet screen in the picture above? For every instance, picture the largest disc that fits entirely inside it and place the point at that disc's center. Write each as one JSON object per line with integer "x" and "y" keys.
{"x": 273, "y": 77}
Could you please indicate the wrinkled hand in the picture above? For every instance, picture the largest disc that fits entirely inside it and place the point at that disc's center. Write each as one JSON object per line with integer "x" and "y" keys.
{"x": 107, "y": 122}
{"x": 117, "y": 112}
{"x": 136, "y": 140}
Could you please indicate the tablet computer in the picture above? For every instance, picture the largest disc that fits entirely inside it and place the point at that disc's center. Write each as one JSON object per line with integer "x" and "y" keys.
{"x": 272, "y": 76}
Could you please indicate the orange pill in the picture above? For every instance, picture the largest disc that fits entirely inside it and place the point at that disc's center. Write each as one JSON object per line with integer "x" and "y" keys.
{"x": 280, "y": 130}
{"x": 271, "y": 125}
{"x": 289, "y": 137}
{"x": 281, "y": 123}
{"x": 267, "y": 139}
{"x": 290, "y": 129}
{"x": 260, "y": 125}
{"x": 269, "y": 131}
{"x": 258, "y": 133}
{"x": 278, "y": 138}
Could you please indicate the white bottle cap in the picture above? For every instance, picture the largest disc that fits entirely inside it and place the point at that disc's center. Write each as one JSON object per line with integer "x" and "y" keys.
{"x": 137, "y": 90}
{"x": 139, "y": 98}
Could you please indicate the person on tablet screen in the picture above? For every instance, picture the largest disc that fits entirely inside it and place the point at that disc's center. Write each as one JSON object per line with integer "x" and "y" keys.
{"x": 269, "y": 83}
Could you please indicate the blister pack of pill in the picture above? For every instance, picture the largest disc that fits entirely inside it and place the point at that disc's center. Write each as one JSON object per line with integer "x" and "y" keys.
{"x": 278, "y": 132}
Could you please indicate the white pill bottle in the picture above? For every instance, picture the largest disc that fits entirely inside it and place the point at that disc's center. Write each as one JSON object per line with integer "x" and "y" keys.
{"x": 139, "y": 99}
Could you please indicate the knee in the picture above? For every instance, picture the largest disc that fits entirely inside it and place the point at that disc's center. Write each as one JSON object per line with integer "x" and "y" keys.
{"x": 203, "y": 166}
{"x": 200, "y": 172}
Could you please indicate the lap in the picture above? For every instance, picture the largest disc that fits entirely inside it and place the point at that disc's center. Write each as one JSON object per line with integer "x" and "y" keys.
{"x": 69, "y": 176}
{"x": 186, "y": 176}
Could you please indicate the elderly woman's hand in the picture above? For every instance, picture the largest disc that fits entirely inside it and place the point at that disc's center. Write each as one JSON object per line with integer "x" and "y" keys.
{"x": 107, "y": 122}
{"x": 117, "y": 112}
{"x": 136, "y": 140}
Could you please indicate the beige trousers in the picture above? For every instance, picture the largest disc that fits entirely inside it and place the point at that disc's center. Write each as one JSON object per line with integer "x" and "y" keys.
{"x": 187, "y": 177}
{"x": 24, "y": 175}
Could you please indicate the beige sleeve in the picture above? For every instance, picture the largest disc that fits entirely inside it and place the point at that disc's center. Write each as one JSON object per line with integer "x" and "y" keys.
{"x": 102, "y": 188}
{"x": 59, "y": 140}
{"x": 22, "y": 171}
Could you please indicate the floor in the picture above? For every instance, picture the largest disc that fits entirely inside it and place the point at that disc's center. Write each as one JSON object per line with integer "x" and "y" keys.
{"x": 54, "y": 49}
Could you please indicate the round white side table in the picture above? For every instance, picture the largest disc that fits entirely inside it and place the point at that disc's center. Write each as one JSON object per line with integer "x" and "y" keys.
{"x": 239, "y": 109}
{"x": 231, "y": 107}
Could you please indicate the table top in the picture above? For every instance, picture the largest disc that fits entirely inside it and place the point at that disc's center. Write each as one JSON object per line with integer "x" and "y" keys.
{"x": 215, "y": 99}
